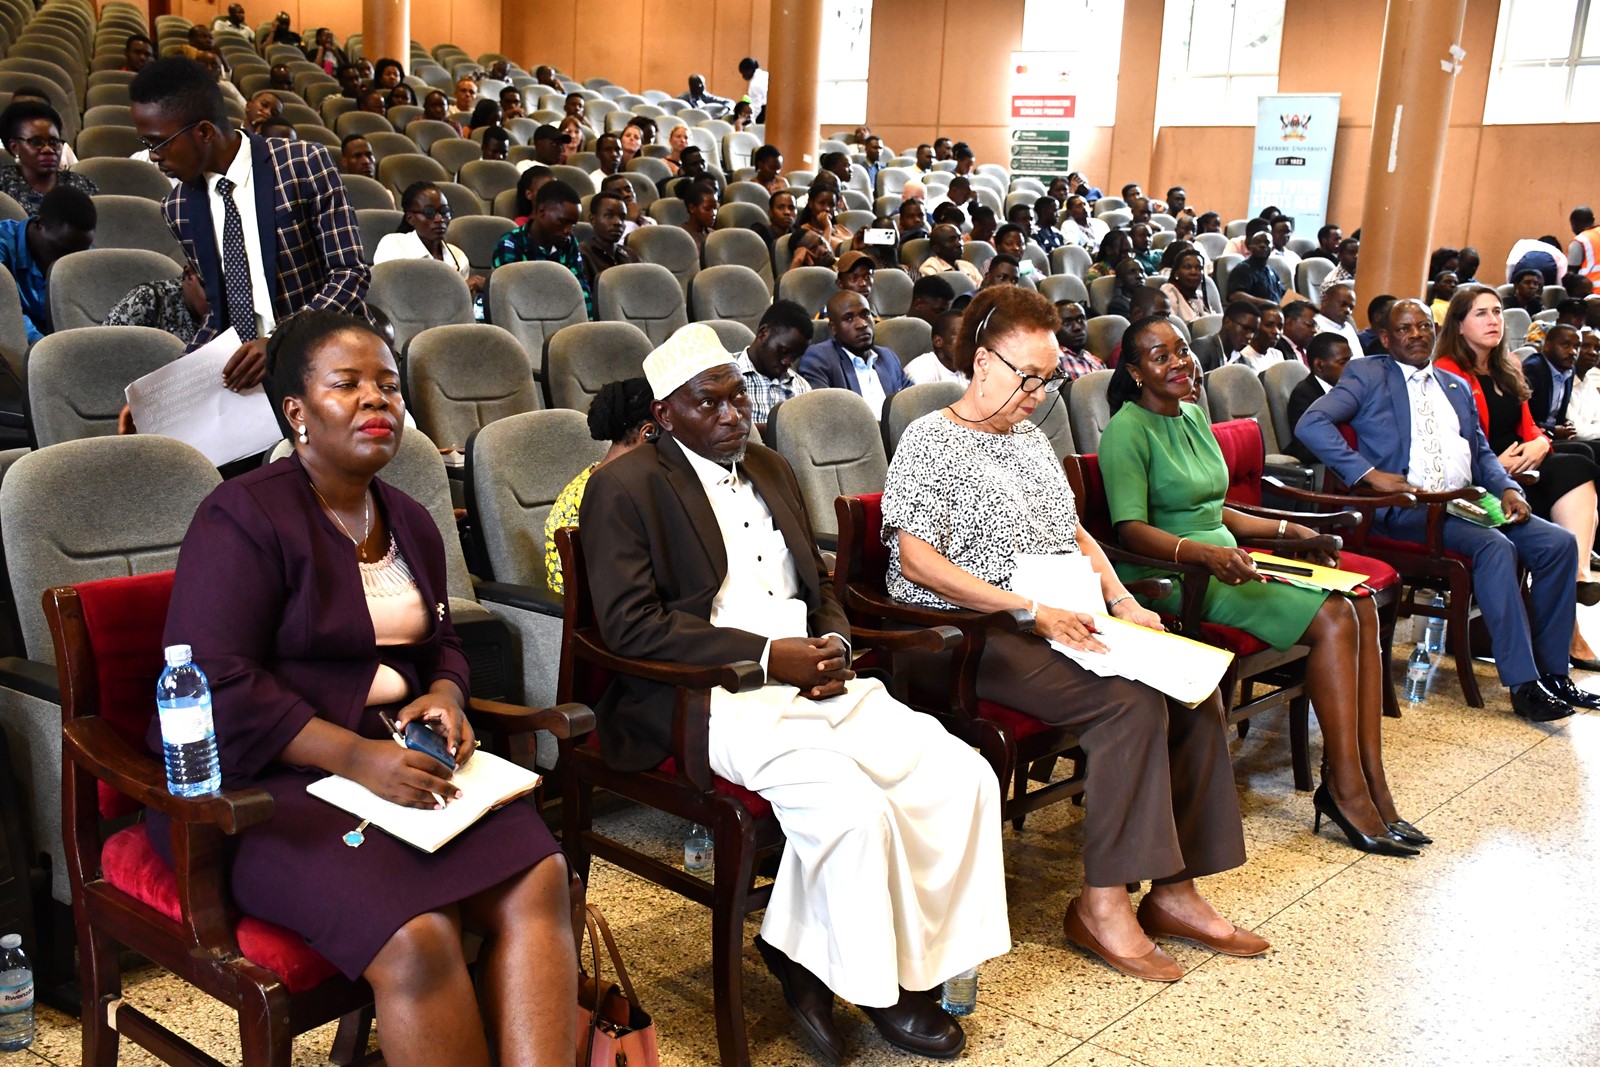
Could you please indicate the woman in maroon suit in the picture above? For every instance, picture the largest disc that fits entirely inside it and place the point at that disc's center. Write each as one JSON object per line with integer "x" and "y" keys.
{"x": 314, "y": 597}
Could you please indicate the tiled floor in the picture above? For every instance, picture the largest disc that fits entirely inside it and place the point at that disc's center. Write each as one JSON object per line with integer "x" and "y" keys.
{"x": 1483, "y": 951}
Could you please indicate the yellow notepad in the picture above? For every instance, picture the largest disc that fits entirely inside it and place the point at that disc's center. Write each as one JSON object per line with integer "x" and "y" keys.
{"x": 1329, "y": 578}
{"x": 486, "y": 782}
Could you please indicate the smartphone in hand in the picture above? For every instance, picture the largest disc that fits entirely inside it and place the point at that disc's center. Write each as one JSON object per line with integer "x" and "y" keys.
{"x": 422, "y": 738}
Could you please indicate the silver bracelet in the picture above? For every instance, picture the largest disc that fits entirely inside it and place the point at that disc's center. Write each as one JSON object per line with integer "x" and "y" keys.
{"x": 1112, "y": 606}
{"x": 1283, "y": 526}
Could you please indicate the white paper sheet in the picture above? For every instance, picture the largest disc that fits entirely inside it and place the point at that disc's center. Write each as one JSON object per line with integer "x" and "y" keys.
{"x": 1066, "y": 581}
{"x": 186, "y": 400}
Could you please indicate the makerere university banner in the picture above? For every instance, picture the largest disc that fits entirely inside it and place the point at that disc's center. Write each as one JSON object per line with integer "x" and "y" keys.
{"x": 1293, "y": 164}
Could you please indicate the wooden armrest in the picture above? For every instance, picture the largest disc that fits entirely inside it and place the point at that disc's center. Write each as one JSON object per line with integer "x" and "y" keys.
{"x": 1118, "y": 554}
{"x": 734, "y": 677}
{"x": 870, "y": 602}
{"x": 564, "y": 720}
{"x": 1360, "y": 499}
{"x": 1319, "y": 519}
{"x": 1331, "y": 544}
{"x": 1152, "y": 589}
{"x": 91, "y": 743}
{"x": 930, "y": 639}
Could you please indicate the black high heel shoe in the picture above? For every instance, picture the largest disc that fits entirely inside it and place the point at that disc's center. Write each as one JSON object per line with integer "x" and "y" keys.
{"x": 1322, "y": 800}
{"x": 1408, "y": 833}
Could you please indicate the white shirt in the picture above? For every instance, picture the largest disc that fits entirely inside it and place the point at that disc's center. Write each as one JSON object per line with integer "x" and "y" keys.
{"x": 409, "y": 245}
{"x": 1528, "y": 244}
{"x": 1258, "y": 361}
{"x": 241, "y": 173}
{"x": 761, "y": 591}
{"x": 1454, "y": 449}
{"x": 756, "y": 91}
{"x": 1089, "y": 235}
{"x": 927, "y": 368}
{"x": 1583, "y": 409}
{"x": 867, "y": 375}
{"x": 1347, "y": 331}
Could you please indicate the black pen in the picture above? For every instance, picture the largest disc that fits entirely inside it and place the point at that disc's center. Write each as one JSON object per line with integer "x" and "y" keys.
{"x": 1283, "y": 568}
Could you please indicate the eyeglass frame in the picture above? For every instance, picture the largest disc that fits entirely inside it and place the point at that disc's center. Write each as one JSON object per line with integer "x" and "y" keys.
{"x": 152, "y": 149}
{"x": 1051, "y": 385}
{"x": 49, "y": 142}
{"x": 430, "y": 212}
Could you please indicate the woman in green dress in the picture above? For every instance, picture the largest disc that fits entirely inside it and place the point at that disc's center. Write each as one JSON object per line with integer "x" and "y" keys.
{"x": 1165, "y": 481}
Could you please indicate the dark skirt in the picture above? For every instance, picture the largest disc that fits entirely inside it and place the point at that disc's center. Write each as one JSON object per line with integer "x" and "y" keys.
{"x": 295, "y": 869}
{"x": 1561, "y": 472}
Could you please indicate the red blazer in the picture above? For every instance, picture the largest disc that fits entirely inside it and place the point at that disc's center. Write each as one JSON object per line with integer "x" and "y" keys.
{"x": 1527, "y": 429}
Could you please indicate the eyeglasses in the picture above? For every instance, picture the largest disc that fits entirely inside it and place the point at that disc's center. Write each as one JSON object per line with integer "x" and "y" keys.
{"x": 154, "y": 148}
{"x": 430, "y": 212}
{"x": 1030, "y": 383}
{"x": 39, "y": 144}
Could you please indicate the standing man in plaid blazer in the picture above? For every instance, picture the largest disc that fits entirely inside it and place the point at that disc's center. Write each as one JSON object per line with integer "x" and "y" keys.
{"x": 265, "y": 222}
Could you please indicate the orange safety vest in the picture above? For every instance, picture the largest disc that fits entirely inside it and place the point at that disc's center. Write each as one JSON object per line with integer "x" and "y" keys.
{"x": 1590, "y": 240}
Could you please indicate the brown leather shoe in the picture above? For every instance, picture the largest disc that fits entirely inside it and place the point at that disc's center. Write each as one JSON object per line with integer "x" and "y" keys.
{"x": 917, "y": 1024}
{"x": 809, "y": 1001}
{"x": 1159, "y": 922}
{"x": 1153, "y": 966}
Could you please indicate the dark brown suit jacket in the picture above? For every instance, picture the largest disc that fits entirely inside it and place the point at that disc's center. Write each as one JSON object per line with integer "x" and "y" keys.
{"x": 656, "y": 560}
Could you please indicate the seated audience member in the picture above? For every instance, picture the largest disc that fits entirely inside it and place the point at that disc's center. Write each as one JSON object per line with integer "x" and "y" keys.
{"x": 32, "y": 132}
{"x": 326, "y": 53}
{"x": 1254, "y": 280}
{"x": 529, "y": 182}
{"x": 1047, "y": 235}
{"x": 1115, "y": 247}
{"x": 485, "y": 115}
{"x": 349, "y": 77}
{"x": 1328, "y": 239}
{"x": 280, "y": 129}
{"x": 1012, "y": 241}
{"x": 677, "y": 141}
{"x": 701, "y": 200}
{"x": 836, "y": 165}
{"x": 374, "y": 102}
{"x": 1186, "y": 286}
{"x": 1142, "y": 304}
{"x": 694, "y": 167}
{"x": 1080, "y": 229}
{"x": 781, "y": 217}
{"x": 279, "y": 78}
{"x": 941, "y": 149}
{"x": 1371, "y": 343}
{"x": 869, "y": 904}
{"x": 938, "y": 364}
{"x": 262, "y": 106}
{"x": 550, "y": 146}
{"x": 401, "y": 96}
{"x": 853, "y": 274}
{"x": 973, "y": 487}
{"x": 511, "y": 104}
{"x": 618, "y": 414}
{"x": 983, "y": 225}
{"x": 923, "y": 159}
{"x": 1527, "y": 291}
{"x": 1240, "y": 245}
{"x": 1467, "y": 265}
{"x": 809, "y": 250}
{"x": 1263, "y": 350}
{"x": 631, "y": 140}
{"x": 1208, "y": 222}
{"x": 234, "y": 20}
{"x": 768, "y": 365}
{"x": 930, "y": 298}
{"x": 171, "y": 305}
{"x": 646, "y": 127}
{"x": 1300, "y": 325}
{"x": 1140, "y": 210}
{"x": 1282, "y": 230}
{"x": 1002, "y": 270}
{"x": 500, "y": 70}
{"x": 1387, "y": 400}
{"x": 496, "y": 143}
{"x": 1149, "y": 258}
{"x": 1543, "y": 254}
{"x": 945, "y": 245}
{"x": 959, "y": 193}
{"x": 818, "y": 217}
{"x": 313, "y": 596}
{"x": 137, "y": 51}
{"x": 884, "y": 256}
{"x": 436, "y": 106}
{"x": 1550, "y": 374}
{"x": 911, "y": 220}
{"x": 947, "y": 214}
{"x": 1329, "y": 353}
{"x": 875, "y": 162}
{"x": 622, "y": 187}
{"x": 63, "y": 223}
{"x": 1337, "y": 313}
{"x": 849, "y": 359}
{"x": 1178, "y": 203}
{"x": 1165, "y": 476}
{"x": 1183, "y": 231}
{"x": 1345, "y": 272}
{"x": 547, "y": 236}
{"x": 421, "y": 234}
{"x": 1130, "y": 280}
{"x": 768, "y": 162}
{"x": 1583, "y": 407}
{"x": 574, "y": 108}
{"x": 1440, "y": 291}
{"x": 1072, "y": 339}
{"x": 1239, "y": 322}
{"x": 1576, "y": 285}
{"x": 743, "y": 117}
{"x": 608, "y": 218}
{"x": 545, "y": 76}
{"x": 282, "y": 34}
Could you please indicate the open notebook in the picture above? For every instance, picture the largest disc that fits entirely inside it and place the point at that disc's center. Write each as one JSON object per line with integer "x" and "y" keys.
{"x": 486, "y": 782}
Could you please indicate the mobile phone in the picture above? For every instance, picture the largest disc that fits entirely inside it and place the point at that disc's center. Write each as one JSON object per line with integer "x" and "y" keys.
{"x": 878, "y": 236}
{"x": 422, "y": 738}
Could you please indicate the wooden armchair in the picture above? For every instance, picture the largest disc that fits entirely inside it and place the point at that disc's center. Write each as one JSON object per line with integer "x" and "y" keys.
{"x": 107, "y": 637}
{"x": 1005, "y": 735}
{"x": 743, "y": 828}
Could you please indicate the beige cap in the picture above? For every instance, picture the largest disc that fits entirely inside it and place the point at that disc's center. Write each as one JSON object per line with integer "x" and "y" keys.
{"x": 690, "y": 350}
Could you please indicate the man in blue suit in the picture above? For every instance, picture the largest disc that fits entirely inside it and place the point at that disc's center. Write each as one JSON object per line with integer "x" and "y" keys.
{"x": 849, "y": 359}
{"x": 1392, "y": 402}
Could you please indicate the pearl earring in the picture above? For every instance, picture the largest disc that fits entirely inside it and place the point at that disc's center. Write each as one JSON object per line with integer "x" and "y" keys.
{"x": 302, "y": 435}
{"x": 1137, "y": 384}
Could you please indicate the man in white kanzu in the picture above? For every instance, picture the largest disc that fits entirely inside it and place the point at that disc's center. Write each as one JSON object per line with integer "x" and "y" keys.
{"x": 892, "y": 879}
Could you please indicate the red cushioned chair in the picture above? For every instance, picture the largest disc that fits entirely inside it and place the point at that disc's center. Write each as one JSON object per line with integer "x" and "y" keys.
{"x": 743, "y": 828}
{"x": 1008, "y": 737}
{"x": 107, "y": 637}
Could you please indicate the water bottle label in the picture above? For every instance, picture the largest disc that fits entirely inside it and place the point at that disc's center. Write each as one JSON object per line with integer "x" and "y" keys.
{"x": 184, "y": 726}
{"x": 696, "y": 858}
{"x": 16, "y": 997}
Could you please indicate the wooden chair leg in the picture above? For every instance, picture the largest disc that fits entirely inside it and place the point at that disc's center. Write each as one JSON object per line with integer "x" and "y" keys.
{"x": 1300, "y": 742}
{"x": 266, "y": 1038}
{"x": 577, "y": 813}
{"x": 350, "y": 1042}
{"x": 1461, "y": 640}
{"x": 1019, "y": 789}
{"x": 1386, "y": 620}
{"x": 101, "y": 985}
{"x": 731, "y": 880}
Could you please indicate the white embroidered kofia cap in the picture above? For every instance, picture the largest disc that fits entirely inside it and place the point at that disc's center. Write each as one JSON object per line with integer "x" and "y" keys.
{"x": 690, "y": 350}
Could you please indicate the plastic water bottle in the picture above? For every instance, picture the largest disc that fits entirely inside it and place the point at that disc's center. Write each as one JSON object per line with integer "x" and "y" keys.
{"x": 187, "y": 736}
{"x": 16, "y": 996}
{"x": 960, "y": 994}
{"x": 699, "y": 852}
{"x": 1417, "y": 669}
{"x": 1433, "y": 630}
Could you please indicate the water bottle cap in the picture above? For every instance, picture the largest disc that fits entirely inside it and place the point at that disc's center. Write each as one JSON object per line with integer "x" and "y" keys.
{"x": 178, "y": 655}
{"x": 11, "y": 941}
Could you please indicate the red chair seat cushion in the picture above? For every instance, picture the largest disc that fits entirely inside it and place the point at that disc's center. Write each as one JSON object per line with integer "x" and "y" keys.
{"x": 1380, "y": 575}
{"x": 1237, "y": 641}
{"x": 1389, "y": 544}
{"x": 1019, "y": 724}
{"x": 754, "y": 803}
{"x": 131, "y": 865}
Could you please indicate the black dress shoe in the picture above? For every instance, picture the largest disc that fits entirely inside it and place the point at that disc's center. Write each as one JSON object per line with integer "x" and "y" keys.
{"x": 809, "y": 1001}
{"x": 1584, "y": 664}
{"x": 1408, "y": 834}
{"x": 1589, "y": 593}
{"x": 1533, "y": 702}
{"x": 918, "y": 1025}
{"x": 1561, "y": 687}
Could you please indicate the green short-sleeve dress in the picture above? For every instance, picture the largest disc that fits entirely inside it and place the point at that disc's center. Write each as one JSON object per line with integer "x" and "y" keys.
{"x": 1169, "y": 472}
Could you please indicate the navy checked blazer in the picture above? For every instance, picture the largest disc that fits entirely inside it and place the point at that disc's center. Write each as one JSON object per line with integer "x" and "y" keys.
{"x": 310, "y": 240}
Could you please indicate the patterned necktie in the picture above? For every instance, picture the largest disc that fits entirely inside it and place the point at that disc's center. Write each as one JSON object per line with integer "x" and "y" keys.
{"x": 235, "y": 267}
{"x": 1428, "y": 425}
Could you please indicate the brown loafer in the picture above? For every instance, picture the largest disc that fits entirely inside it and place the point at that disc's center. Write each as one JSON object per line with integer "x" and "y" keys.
{"x": 1158, "y": 922}
{"x": 1153, "y": 966}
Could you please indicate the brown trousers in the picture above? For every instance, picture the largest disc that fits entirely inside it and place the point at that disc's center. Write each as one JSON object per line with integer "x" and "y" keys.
{"x": 1159, "y": 798}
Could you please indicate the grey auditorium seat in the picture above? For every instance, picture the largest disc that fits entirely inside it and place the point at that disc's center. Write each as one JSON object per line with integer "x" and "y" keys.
{"x": 584, "y": 357}
{"x": 729, "y": 292}
{"x": 810, "y": 287}
{"x": 134, "y": 222}
{"x": 85, "y": 285}
{"x": 125, "y": 177}
{"x": 644, "y": 294}
{"x": 909, "y": 405}
{"x": 76, "y": 378}
{"x": 891, "y": 293}
{"x": 1088, "y": 409}
{"x": 462, "y": 377}
{"x": 533, "y": 301}
{"x": 833, "y": 441}
{"x": 743, "y": 247}
{"x": 417, "y": 294}
{"x": 905, "y": 336}
{"x": 366, "y": 193}
{"x": 670, "y": 247}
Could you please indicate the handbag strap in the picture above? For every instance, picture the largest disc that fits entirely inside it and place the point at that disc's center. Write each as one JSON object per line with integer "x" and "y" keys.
{"x": 595, "y": 919}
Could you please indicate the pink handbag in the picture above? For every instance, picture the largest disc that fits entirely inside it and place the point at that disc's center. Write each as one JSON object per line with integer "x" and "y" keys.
{"x": 613, "y": 1030}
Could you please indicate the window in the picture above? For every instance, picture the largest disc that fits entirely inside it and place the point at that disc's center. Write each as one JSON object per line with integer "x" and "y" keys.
{"x": 1546, "y": 63}
{"x": 842, "y": 73}
{"x": 1049, "y": 25}
{"x": 1217, "y": 57}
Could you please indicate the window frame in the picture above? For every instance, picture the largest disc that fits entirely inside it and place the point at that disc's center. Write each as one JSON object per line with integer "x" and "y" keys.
{"x": 1171, "y": 84}
{"x": 1575, "y": 59}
